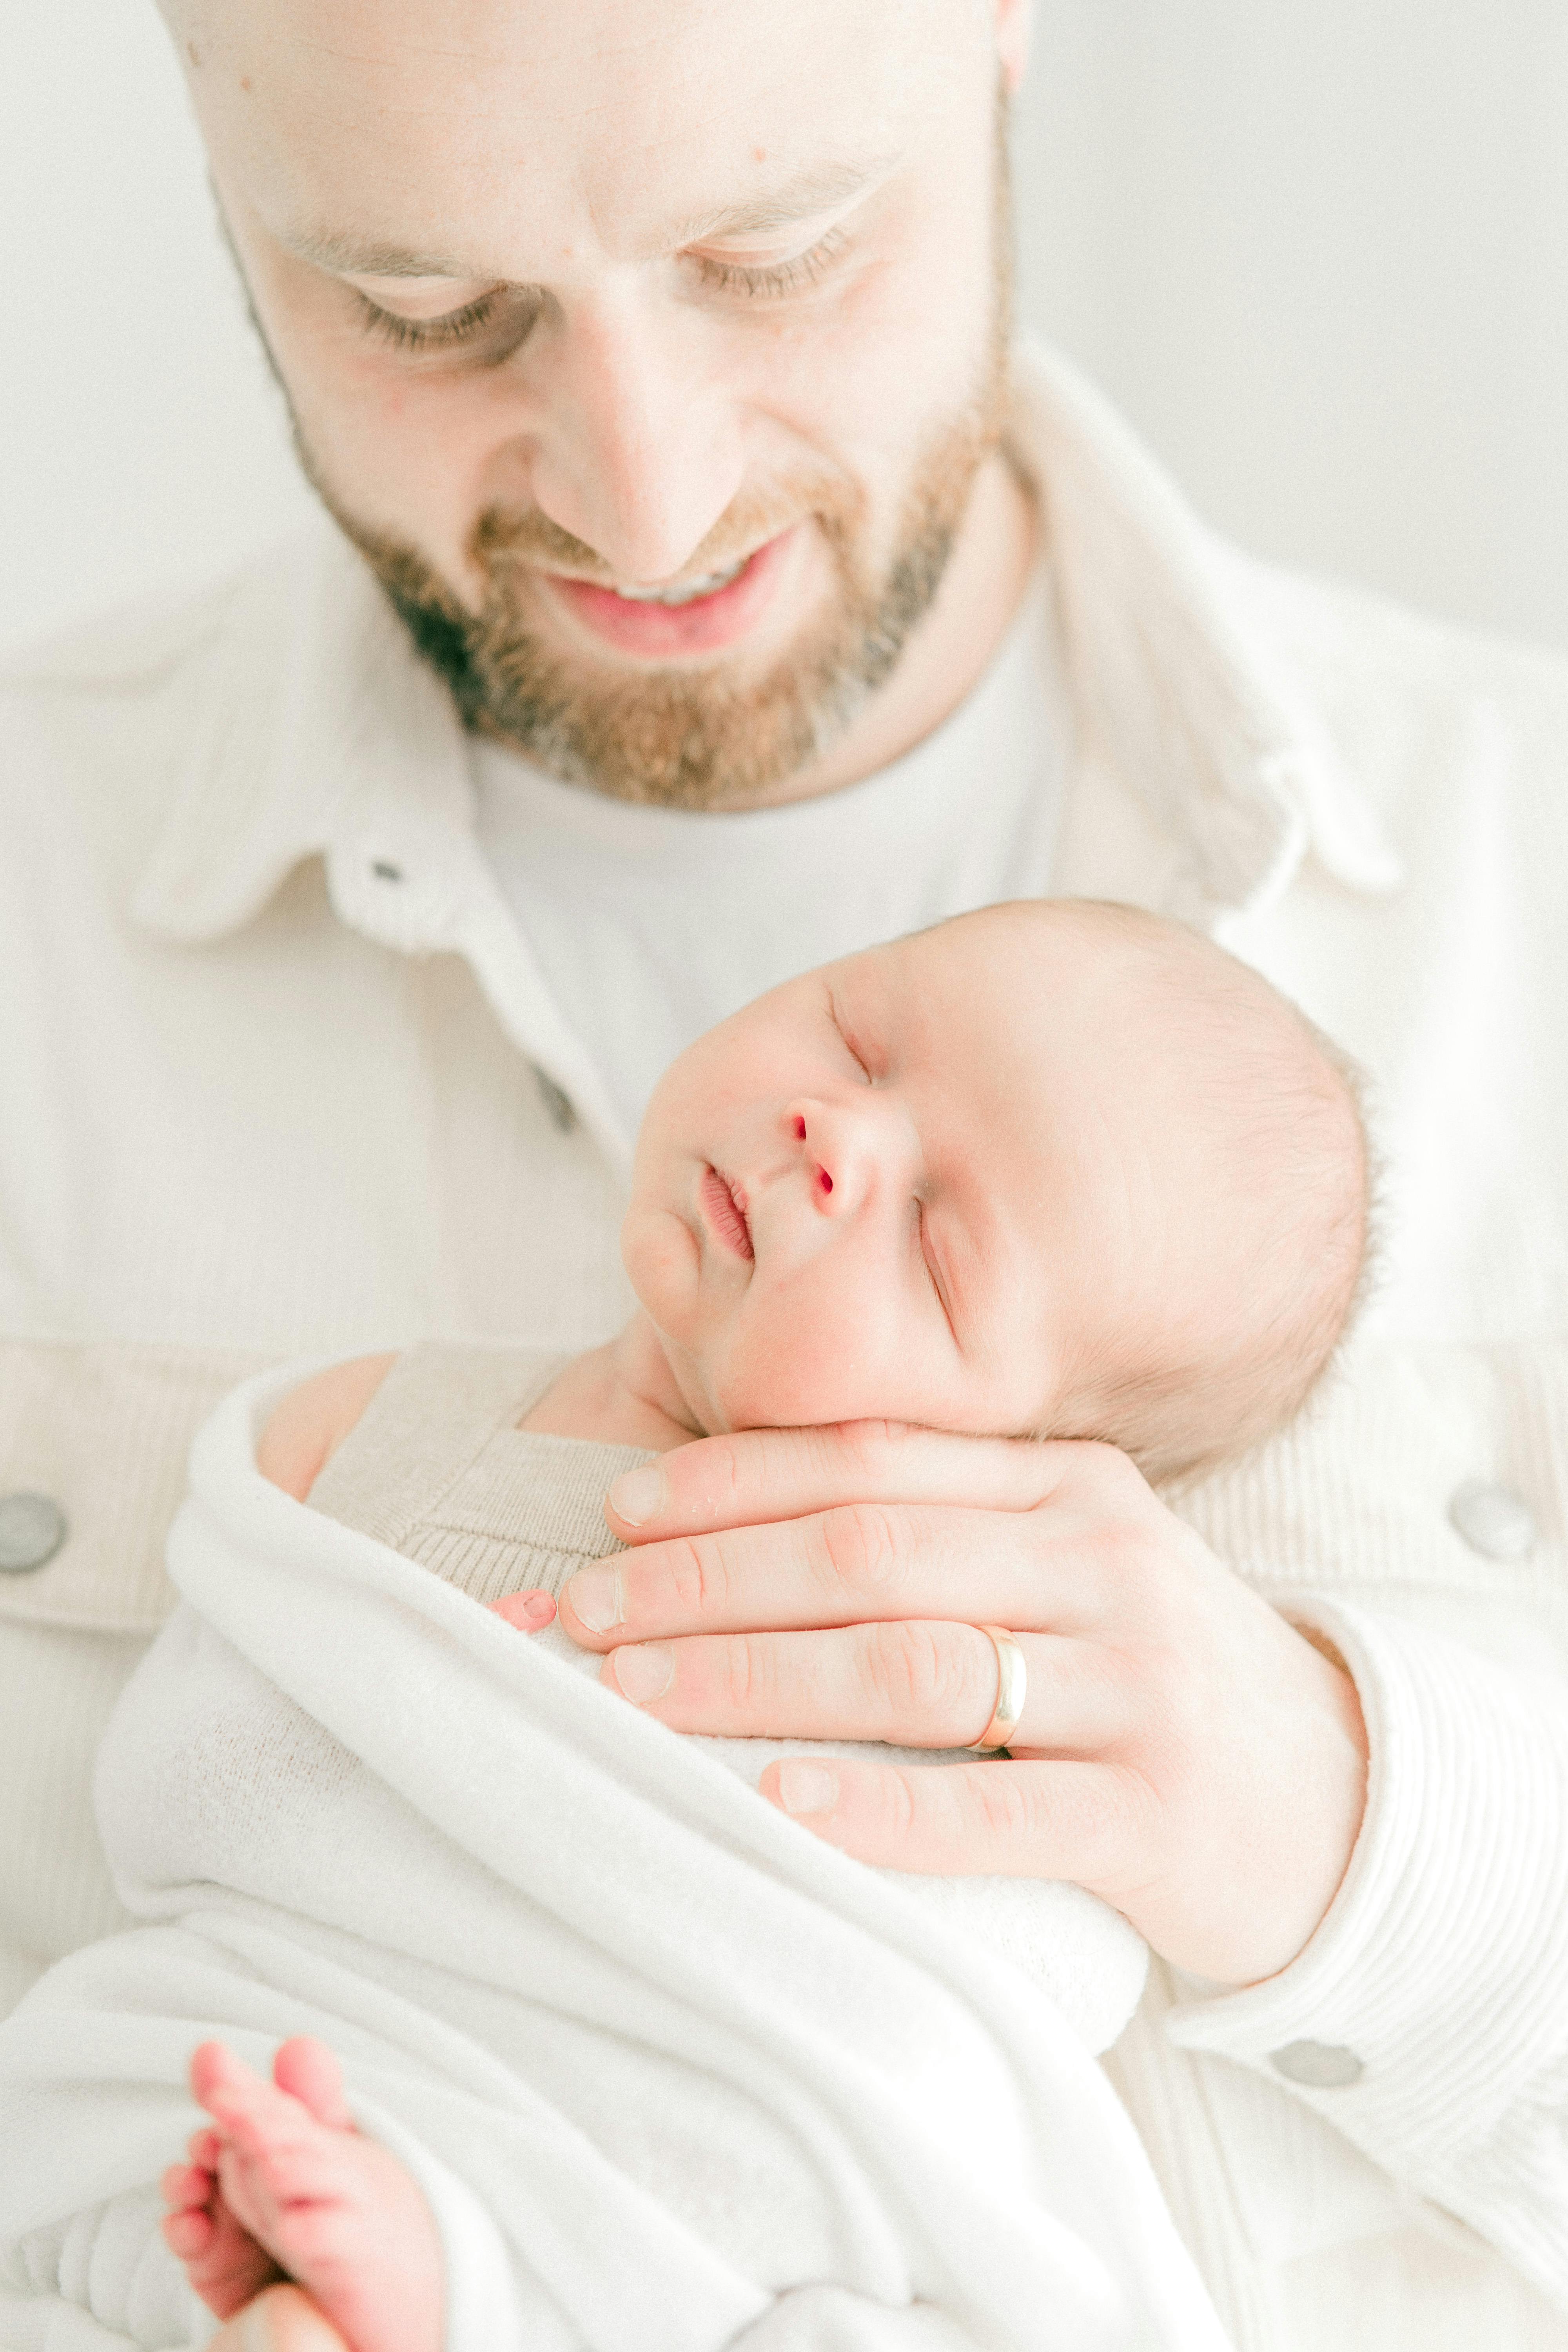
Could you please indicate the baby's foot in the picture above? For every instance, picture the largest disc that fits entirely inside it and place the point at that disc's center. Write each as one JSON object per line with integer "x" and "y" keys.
{"x": 283, "y": 2186}
{"x": 221, "y": 2260}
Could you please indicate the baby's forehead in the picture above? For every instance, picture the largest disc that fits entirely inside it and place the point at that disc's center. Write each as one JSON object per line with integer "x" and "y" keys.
{"x": 1040, "y": 1016}
{"x": 1061, "y": 963}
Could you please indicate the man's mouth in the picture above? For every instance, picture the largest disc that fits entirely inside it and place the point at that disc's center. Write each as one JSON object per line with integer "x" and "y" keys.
{"x": 686, "y": 592}
{"x": 705, "y": 613}
{"x": 724, "y": 1213}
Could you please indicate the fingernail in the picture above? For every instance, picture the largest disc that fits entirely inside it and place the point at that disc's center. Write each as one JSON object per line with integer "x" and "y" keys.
{"x": 595, "y": 1597}
{"x": 644, "y": 1670}
{"x": 639, "y": 1494}
{"x": 807, "y": 1788}
{"x": 537, "y": 1608}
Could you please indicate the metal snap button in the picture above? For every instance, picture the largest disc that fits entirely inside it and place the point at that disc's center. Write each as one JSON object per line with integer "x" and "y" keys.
{"x": 1321, "y": 2065}
{"x": 1493, "y": 1520}
{"x": 32, "y": 1530}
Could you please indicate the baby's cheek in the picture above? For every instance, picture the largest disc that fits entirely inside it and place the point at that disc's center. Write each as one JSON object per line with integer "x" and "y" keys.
{"x": 661, "y": 1261}
{"x": 807, "y": 1365}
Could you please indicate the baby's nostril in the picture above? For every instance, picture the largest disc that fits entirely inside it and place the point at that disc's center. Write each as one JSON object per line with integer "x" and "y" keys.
{"x": 824, "y": 1179}
{"x": 800, "y": 1130}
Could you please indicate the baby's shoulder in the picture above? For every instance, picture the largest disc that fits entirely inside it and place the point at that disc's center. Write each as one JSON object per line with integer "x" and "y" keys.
{"x": 307, "y": 1428}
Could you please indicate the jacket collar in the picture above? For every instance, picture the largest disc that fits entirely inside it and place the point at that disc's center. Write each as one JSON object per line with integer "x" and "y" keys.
{"x": 1173, "y": 655}
{"x": 321, "y": 732}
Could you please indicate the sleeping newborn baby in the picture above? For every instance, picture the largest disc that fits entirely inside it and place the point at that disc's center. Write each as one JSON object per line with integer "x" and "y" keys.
{"x": 1050, "y": 1170}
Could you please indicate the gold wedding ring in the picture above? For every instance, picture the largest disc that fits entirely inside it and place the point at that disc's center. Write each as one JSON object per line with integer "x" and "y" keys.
{"x": 1012, "y": 1690}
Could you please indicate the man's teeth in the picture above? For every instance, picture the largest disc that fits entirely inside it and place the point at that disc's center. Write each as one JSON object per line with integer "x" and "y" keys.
{"x": 709, "y": 584}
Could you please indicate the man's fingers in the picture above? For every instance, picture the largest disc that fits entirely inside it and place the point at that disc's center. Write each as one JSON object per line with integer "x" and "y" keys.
{"x": 762, "y": 1474}
{"x": 281, "y": 2319}
{"x": 912, "y": 1684}
{"x": 1068, "y": 1821}
{"x": 857, "y": 1562}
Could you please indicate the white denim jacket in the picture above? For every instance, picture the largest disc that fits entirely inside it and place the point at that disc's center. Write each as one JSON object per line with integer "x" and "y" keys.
{"x": 278, "y": 1075}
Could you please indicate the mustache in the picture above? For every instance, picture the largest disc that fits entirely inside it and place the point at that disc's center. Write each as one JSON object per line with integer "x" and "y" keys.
{"x": 505, "y": 539}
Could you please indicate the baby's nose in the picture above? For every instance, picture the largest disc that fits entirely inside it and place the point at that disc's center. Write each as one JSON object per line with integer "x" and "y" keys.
{"x": 839, "y": 1152}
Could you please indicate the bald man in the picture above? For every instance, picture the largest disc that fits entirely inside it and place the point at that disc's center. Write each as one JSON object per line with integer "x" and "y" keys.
{"x": 712, "y": 586}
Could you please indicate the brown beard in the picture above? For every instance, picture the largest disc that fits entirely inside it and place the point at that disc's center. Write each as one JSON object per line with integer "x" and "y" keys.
{"x": 683, "y": 738}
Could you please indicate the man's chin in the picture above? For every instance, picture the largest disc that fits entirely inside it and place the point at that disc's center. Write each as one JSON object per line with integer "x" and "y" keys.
{"x": 718, "y": 728}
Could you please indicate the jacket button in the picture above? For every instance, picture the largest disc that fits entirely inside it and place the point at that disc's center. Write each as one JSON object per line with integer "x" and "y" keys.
{"x": 1493, "y": 1520}
{"x": 32, "y": 1530}
{"x": 1321, "y": 2065}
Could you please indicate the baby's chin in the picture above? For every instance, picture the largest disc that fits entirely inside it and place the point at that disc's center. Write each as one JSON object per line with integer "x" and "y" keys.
{"x": 688, "y": 1373}
{"x": 721, "y": 1403}
{"x": 735, "y": 1397}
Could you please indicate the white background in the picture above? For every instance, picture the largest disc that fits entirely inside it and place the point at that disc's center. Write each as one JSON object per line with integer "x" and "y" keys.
{"x": 1318, "y": 251}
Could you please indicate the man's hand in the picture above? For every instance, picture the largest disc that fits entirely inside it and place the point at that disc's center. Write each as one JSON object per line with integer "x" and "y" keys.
{"x": 1183, "y": 1752}
{"x": 283, "y": 2319}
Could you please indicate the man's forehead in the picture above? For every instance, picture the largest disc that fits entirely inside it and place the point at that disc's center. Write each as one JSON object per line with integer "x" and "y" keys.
{"x": 391, "y": 136}
{"x": 775, "y": 203}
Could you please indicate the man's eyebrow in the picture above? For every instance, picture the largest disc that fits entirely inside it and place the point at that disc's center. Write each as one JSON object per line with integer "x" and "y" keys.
{"x": 353, "y": 256}
{"x": 818, "y": 189}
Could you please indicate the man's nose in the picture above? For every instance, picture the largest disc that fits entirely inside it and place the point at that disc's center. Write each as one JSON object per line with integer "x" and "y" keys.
{"x": 641, "y": 452}
{"x": 854, "y": 1153}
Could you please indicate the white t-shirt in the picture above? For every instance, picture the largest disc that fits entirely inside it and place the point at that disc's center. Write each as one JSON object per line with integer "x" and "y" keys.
{"x": 652, "y": 924}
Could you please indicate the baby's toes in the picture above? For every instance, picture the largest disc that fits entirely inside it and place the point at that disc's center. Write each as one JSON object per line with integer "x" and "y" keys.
{"x": 264, "y": 2179}
{"x": 188, "y": 2234}
{"x": 185, "y": 2186}
{"x": 230, "y": 2268}
{"x": 259, "y": 2123}
{"x": 310, "y": 2072}
{"x": 189, "y": 2193}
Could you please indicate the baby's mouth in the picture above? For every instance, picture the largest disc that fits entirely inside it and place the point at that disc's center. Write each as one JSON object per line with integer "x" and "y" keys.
{"x": 724, "y": 1212}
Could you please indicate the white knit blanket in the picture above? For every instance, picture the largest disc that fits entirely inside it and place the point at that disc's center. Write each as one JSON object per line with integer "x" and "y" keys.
{"x": 673, "y": 2074}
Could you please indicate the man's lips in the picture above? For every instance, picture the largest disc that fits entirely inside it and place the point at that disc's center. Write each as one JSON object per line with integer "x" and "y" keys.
{"x": 702, "y": 624}
{"x": 723, "y": 1213}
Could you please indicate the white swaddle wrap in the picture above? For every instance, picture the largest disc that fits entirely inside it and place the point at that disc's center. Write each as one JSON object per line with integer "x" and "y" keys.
{"x": 673, "y": 2074}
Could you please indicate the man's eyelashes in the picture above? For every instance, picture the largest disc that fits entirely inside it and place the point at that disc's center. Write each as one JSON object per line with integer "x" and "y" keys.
{"x": 512, "y": 310}
{"x": 504, "y": 307}
{"x": 774, "y": 280}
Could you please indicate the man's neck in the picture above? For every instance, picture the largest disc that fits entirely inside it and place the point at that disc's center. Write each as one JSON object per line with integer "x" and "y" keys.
{"x": 982, "y": 588}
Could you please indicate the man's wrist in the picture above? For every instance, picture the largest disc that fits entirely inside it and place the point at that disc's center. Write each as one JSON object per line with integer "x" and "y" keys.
{"x": 1431, "y": 1993}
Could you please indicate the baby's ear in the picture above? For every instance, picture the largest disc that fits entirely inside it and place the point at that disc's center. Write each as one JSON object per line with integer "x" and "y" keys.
{"x": 306, "y": 1430}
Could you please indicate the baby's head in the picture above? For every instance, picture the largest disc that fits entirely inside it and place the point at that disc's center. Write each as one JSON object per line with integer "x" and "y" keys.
{"x": 1053, "y": 1169}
